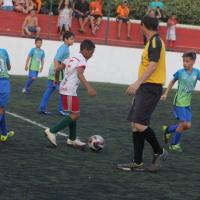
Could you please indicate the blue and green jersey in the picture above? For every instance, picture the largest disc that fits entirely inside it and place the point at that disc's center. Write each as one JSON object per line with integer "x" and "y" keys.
{"x": 61, "y": 54}
{"x": 4, "y": 63}
{"x": 36, "y": 55}
{"x": 186, "y": 84}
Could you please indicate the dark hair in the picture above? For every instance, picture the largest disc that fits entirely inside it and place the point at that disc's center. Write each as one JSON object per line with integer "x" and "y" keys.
{"x": 190, "y": 54}
{"x": 150, "y": 23}
{"x": 87, "y": 44}
{"x": 38, "y": 39}
{"x": 67, "y": 35}
{"x": 63, "y": 5}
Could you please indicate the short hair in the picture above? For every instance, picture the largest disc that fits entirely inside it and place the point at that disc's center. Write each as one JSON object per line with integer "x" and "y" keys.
{"x": 38, "y": 39}
{"x": 150, "y": 23}
{"x": 67, "y": 35}
{"x": 87, "y": 44}
{"x": 190, "y": 54}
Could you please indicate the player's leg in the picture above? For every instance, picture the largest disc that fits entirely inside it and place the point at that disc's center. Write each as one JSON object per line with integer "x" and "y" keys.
{"x": 46, "y": 96}
{"x": 31, "y": 78}
{"x": 4, "y": 97}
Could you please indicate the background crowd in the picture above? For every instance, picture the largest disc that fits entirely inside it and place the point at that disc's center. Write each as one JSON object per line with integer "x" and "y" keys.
{"x": 90, "y": 13}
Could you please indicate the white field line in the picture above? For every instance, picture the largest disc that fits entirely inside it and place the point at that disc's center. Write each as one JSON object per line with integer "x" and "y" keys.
{"x": 32, "y": 122}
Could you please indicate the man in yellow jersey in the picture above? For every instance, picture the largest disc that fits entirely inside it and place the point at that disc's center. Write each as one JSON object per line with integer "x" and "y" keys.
{"x": 147, "y": 91}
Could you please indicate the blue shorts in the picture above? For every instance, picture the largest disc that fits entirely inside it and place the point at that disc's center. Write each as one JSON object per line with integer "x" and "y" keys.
{"x": 183, "y": 113}
{"x": 50, "y": 84}
{"x": 33, "y": 74}
{"x": 4, "y": 92}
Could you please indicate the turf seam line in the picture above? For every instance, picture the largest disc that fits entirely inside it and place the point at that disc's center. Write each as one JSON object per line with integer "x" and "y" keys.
{"x": 32, "y": 122}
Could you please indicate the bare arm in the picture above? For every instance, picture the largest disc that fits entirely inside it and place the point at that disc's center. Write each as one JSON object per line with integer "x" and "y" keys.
{"x": 57, "y": 68}
{"x": 171, "y": 84}
{"x": 90, "y": 90}
{"x": 133, "y": 87}
{"x": 24, "y": 24}
{"x": 27, "y": 62}
{"x": 42, "y": 65}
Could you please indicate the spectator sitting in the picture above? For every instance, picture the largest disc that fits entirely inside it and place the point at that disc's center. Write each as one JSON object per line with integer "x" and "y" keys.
{"x": 81, "y": 10}
{"x": 30, "y": 25}
{"x": 156, "y": 3}
{"x": 158, "y": 13}
{"x": 122, "y": 17}
{"x": 171, "y": 31}
{"x": 38, "y": 5}
{"x": 21, "y": 6}
{"x": 96, "y": 15}
{"x": 7, "y": 5}
{"x": 65, "y": 18}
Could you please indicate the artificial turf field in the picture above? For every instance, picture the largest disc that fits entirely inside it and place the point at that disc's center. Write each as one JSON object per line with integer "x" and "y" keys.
{"x": 32, "y": 171}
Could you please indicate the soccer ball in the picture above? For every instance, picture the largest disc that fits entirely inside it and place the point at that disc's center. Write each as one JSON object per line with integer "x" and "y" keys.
{"x": 96, "y": 143}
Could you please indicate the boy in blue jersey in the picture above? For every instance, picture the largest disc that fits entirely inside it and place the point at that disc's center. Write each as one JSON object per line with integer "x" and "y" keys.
{"x": 4, "y": 93}
{"x": 34, "y": 63}
{"x": 61, "y": 54}
{"x": 187, "y": 79}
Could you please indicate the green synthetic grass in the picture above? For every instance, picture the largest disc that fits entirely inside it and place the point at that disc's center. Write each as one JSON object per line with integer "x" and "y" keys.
{"x": 32, "y": 171}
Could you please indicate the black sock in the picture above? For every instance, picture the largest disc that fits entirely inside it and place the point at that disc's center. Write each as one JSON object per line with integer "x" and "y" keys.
{"x": 138, "y": 143}
{"x": 150, "y": 137}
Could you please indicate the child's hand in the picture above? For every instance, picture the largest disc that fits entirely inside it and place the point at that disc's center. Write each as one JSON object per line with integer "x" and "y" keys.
{"x": 163, "y": 97}
{"x": 91, "y": 92}
{"x": 26, "y": 68}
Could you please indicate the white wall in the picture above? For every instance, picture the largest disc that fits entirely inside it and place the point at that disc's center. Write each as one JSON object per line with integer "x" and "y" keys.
{"x": 109, "y": 64}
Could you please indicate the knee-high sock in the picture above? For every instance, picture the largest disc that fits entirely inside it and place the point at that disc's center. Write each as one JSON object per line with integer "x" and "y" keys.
{"x": 45, "y": 98}
{"x": 28, "y": 83}
{"x": 152, "y": 140}
{"x": 172, "y": 128}
{"x": 72, "y": 130}
{"x": 61, "y": 125}
{"x": 138, "y": 143}
{"x": 3, "y": 124}
{"x": 176, "y": 138}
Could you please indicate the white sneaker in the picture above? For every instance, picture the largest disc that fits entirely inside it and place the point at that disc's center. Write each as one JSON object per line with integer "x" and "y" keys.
{"x": 51, "y": 137}
{"x": 76, "y": 143}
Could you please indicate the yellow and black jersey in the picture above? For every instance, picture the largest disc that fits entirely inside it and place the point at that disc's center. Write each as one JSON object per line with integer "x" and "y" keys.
{"x": 154, "y": 51}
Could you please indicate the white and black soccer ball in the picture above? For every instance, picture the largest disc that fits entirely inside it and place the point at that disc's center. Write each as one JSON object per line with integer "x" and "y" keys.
{"x": 96, "y": 143}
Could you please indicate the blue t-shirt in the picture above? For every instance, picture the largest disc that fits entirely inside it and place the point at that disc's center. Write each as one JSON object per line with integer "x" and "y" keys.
{"x": 4, "y": 63}
{"x": 36, "y": 55}
{"x": 186, "y": 84}
{"x": 61, "y": 54}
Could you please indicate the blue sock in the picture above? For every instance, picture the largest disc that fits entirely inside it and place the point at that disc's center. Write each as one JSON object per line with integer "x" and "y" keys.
{"x": 172, "y": 128}
{"x": 176, "y": 138}
{"x": 3, "y": 124}
{"x": 28, "y": 83}
{"x": 45, "y": 99}
{"x": 60, "y": 107}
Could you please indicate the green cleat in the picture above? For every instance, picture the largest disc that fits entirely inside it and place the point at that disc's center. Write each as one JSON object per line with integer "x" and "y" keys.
{"x": 175, "y": 148}
{"x": 4, "y": 138}
{"x": 166, "y": 135}
{"x": 131, "y": 167}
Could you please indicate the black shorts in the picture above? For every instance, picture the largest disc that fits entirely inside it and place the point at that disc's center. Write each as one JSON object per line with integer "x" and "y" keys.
{"x": 124, "y": 20}
{"x": 78, "y": 16}
{"x": 145, "y": 101}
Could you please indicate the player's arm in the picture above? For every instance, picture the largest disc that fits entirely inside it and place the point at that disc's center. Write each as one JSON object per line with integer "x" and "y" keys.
{"x": 27, "y": 62}
{"x": 42, "y": 62}
{"x": 169, "y": 87}
{"x": 90, "y": 90}
{"x": 57, "y": 70}
{"x": 8, "y": 62}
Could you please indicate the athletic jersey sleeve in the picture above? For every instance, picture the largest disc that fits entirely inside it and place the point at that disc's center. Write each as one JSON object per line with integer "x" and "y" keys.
{"x": 60, "y": 53}
{"x": 177, "y": 75}
{"x": 31, "y": 52}
{"x": 43, "y": 55}
{"x": 198, "y": 75}
{"x": 154, "y": 49}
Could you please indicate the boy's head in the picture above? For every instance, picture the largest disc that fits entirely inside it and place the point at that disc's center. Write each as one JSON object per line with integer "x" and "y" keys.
{"x": 189, "y": 59}
{"x": 173, "y": 16}
{"x": 68, "y": 38}
{"x": 87, "y": 48}
{"x": 149, "y": 23}
{"x": 32, "y": 12}
{"x": 38, "y": 42}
